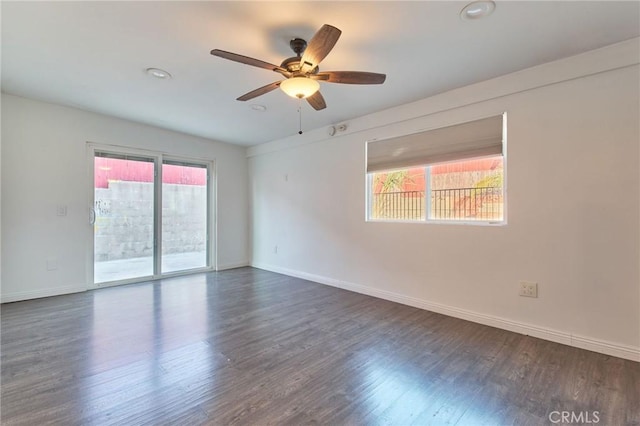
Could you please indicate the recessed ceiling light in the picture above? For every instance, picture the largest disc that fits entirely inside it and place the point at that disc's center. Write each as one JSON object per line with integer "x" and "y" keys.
{"x": 260, "y": 108}
{"x": 477, "y": 10}
{"x": 158, "y": 73}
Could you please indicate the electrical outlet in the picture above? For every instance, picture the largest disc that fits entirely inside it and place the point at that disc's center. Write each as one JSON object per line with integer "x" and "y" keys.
{"x": 528, "y": 289}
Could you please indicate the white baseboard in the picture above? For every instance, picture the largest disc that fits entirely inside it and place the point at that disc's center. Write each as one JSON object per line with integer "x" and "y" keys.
{"x": 604, "y": 347}
{"x": 36, "y": 294}
{"x": 566, "y": 338}
{"x": 225, "y": 266}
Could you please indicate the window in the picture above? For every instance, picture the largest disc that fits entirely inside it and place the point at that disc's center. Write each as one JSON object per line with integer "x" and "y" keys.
{"x": 453, "y": 174}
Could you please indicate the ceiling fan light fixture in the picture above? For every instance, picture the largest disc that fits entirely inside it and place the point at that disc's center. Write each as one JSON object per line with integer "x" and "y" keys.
{"x": 477, "y": 10}
{"x": 299, "y": 87}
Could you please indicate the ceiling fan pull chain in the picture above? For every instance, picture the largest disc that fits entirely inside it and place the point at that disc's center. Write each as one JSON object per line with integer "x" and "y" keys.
{"x": 300, "y": 115}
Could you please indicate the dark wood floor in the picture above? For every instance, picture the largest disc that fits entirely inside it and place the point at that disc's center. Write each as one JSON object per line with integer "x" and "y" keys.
{"x": 252, "y": 347}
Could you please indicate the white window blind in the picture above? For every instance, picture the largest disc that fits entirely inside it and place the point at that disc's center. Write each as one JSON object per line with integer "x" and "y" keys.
{"x": 477, "y": 138}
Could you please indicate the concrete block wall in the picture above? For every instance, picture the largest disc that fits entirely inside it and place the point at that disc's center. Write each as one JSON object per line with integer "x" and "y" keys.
{"x": 124, "y": 220}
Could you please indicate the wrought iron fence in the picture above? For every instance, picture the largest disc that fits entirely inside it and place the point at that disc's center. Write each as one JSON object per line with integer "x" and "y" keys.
{"x": 407, "y": 205}
{"x": 467, "y": 204}
{"x": 445, "y": 204}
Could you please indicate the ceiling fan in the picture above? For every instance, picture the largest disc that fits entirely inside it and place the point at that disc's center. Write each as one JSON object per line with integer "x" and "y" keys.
{"x": 302, "y": 72}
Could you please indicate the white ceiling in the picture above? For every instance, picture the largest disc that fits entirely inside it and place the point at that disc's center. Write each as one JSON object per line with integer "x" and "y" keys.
{"x": 92, "y": 55}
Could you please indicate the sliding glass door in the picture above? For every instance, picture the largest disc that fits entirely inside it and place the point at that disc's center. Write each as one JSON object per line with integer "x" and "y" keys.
{"x": 151, "y": 216}
{"x": 184, "y": 216}
{"x": 124, "y": 217}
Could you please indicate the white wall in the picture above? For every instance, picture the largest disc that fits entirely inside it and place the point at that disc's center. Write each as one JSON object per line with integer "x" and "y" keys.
{"x": 573, "y": 208}
{"x": 44, "y": 164}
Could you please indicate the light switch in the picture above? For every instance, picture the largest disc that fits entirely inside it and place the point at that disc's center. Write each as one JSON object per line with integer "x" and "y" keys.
{"x": 61, "y": 210}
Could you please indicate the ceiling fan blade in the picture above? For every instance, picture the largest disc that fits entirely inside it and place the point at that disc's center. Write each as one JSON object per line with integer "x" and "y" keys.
{"x": 250, "y": 61}
{"x": 350, "y": 77}
{"x": 261, "y": 91}
{"x": 319, "y": 47}
{"x": 317, "y": 101}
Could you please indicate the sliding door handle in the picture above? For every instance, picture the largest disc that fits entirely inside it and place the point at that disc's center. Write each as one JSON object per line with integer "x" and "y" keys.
{"x": 92, "y": 215}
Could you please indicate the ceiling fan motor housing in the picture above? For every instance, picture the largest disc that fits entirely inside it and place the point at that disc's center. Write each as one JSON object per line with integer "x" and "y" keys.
{"x": 292, "y": 64}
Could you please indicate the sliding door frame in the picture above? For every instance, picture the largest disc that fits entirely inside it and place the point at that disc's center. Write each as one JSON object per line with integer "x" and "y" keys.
{"x": 158, "y": 160}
